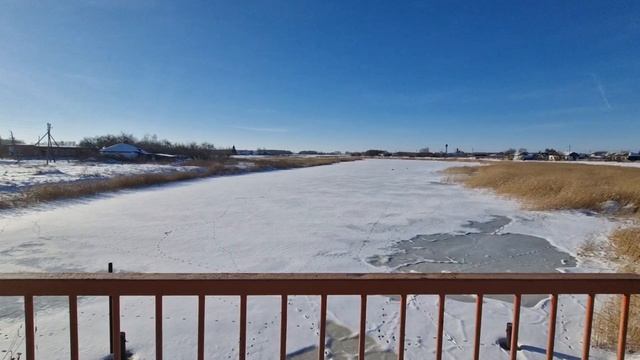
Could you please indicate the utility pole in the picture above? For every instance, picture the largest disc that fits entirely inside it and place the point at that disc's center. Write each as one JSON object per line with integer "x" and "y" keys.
{"x": 50, "y": 142}
{"x": 13, "y": 152}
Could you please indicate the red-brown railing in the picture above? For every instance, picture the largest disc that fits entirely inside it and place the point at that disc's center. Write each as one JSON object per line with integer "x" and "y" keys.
{"x": 243, "y": 285}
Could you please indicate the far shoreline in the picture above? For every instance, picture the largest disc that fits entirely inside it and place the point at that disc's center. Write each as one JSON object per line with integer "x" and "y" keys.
{"x": 49, "y": 192}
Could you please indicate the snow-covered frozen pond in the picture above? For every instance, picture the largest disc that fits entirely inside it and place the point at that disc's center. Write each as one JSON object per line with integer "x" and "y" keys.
{"x": 338, "y": 218}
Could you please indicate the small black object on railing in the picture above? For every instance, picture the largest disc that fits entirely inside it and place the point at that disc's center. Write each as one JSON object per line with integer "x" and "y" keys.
{"x": 505, "y": 342}
{"x": 123, "y": 345}
{"x": 509, "y": 332}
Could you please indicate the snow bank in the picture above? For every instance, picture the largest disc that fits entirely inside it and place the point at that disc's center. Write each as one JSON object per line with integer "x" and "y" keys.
{"x": 15, "y": 175}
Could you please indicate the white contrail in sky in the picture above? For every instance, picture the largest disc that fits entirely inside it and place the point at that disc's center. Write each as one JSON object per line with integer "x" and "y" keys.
{"x": 603, "y": 95}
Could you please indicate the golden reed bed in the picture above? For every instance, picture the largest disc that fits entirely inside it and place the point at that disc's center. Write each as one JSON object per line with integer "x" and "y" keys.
{"x": 610, "y": 190}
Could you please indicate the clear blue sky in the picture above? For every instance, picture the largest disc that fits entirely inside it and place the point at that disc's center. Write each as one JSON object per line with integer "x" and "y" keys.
{"x": 326, "y": 75}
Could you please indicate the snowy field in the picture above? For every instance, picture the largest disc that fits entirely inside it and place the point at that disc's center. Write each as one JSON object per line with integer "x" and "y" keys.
{"x": 16, "y": 175}
{"x": 338, "y": 218}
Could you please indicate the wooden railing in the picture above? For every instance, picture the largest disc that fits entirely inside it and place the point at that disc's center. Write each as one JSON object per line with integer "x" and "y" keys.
{"x": 324, "y": 285}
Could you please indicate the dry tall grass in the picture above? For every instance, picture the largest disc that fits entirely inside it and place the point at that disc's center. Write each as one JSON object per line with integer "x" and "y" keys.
{"x": 56, "y": 191}
{"x": 626, "y": 242}
{"x": 626, "y": 245}
{"x": 547, "y": 186}
{"x": 292, "y": 162}
{"x": 607, "y": 322}
{"x": 50, "y": 192}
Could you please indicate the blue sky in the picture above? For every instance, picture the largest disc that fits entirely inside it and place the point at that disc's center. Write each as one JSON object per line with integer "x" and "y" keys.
{"x": 326, "y": 75}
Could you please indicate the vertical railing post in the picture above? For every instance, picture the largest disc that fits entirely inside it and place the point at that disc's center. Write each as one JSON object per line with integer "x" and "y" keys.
{"x": 110, "y": 270}
{"x": 553, "y": 314}
{"x": 159, "y": 327}
{"x": 243, "y": 328}
{"x": 516, "y": 325}
{"x": 115, "y": 317}
{"x": 30, "y": 332}
{"x": 440, "y": 326}
{"x": 362, "y": 339}
{"x": 283, "y": 327}
{"x": 323, "y": 326}
{"x": 478, "y": 329}
{"x": 73, "y": 327}
{"x": 588, "y": 322}
{"x": 624, "y": 322}
{"x": 403, "y": 326}
{"x": 201, "y": 310}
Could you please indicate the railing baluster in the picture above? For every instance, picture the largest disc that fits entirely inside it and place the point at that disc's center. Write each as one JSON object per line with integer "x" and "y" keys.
{"x": 29, "y": 327}
{"x": 553, "y": 313}
{"x": 588, "y": 322}
{"x": 73, "y": 327}
{"x": 476, "y": 343}
{"x": 624, "y": 320}
{"x": 516, "y": 325}
{"x": 283, "y": 327}
{"x": 363, "y": 331}
{"x": 403, "y": 325}
{"x": 201, "y": 304}
{"x": 158, "y": 327}
{"x": 440, "y": 327}
{"x": 115, "y": 318}
{"x": 323, "y": 325}
{"x": 242, "y": 350}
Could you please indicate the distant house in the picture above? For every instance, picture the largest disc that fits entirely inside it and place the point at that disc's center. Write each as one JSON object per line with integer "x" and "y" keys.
{"x": 525, "y": 156}
{"x": 618, "y": 156}
{"x": 571, "y": 156}
{"x": 599, "y": 155}
{"x": 123, "y": 151}
{"x": 634, "y": 156}
{"x": 554, "y": 157}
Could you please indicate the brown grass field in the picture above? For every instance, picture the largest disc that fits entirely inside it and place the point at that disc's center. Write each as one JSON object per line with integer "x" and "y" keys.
{"x": 557, "y": 186}
{"x": 57, "y": 191}
{"x": 281, "y": 163}
{"x": 562, "y": 186}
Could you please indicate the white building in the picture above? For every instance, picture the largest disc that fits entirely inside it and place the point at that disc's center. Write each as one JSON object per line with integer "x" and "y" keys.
{"x": 126, "y": 151}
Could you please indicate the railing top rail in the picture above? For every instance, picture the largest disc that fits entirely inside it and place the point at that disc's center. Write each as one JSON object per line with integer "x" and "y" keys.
{"x": 313, "y": 276}
{"x": 134, "y": 284}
